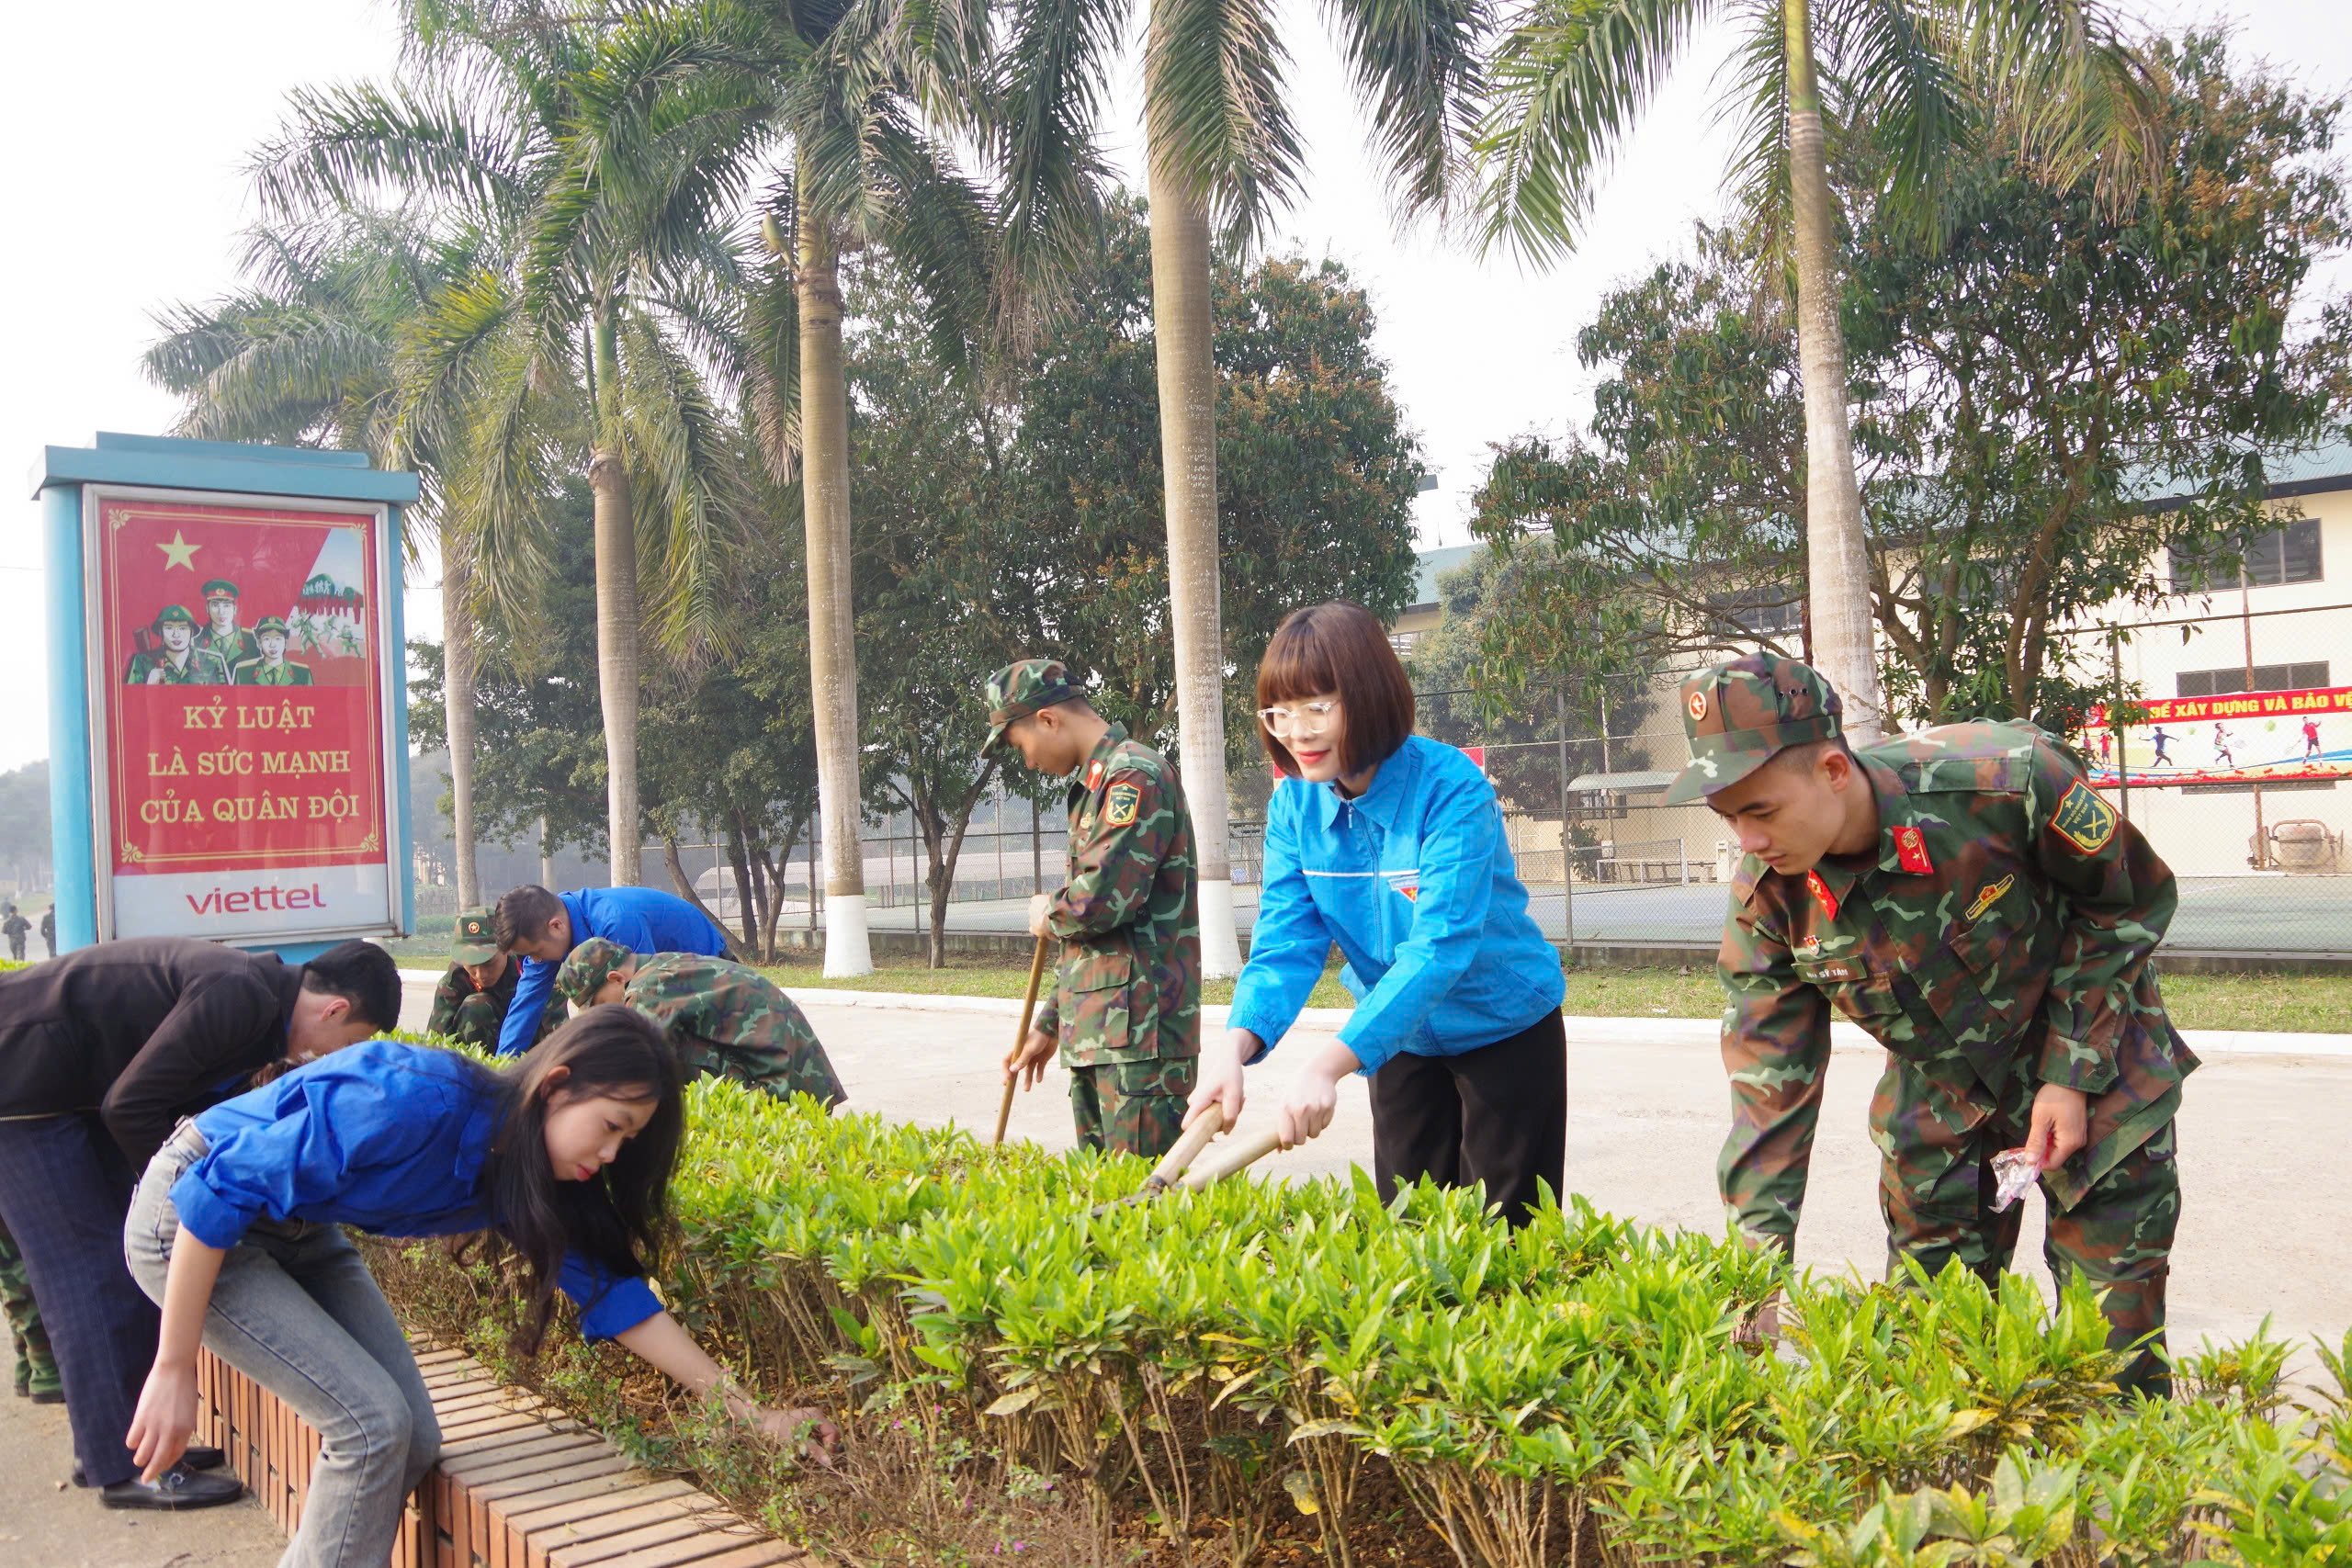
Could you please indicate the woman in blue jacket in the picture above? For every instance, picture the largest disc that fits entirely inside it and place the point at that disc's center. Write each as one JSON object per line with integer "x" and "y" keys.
{"x": 1391, "y": 845}
{"x": 564, "y": 1159}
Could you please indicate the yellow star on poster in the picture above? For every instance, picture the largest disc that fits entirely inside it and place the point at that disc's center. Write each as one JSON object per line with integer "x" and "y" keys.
{"x": 179, "y": 552}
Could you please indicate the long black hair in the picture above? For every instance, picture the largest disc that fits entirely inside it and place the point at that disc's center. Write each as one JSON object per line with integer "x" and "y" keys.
{"x": 616, "y": 1219}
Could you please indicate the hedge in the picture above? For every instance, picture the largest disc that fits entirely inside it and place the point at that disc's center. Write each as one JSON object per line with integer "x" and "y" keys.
{"x": 1568, "y": 1394}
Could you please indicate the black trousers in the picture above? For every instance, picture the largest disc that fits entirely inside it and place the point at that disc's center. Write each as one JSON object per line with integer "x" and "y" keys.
{"x": 1497, "y": 1115}
{"x": 64, "y": 1189}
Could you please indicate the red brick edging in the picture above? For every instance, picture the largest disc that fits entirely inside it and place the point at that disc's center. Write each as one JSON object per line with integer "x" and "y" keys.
{"x": 519, "y": 1484}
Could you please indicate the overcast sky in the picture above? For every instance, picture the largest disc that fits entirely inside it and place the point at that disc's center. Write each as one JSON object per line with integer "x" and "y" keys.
{"x": 124, "y": 187}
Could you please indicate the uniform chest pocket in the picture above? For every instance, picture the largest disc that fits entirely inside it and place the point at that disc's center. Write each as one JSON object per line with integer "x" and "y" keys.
{"x": 1853, "y": 989}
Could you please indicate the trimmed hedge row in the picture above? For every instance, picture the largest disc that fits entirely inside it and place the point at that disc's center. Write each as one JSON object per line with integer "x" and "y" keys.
{"x": 1568, "y": 1394}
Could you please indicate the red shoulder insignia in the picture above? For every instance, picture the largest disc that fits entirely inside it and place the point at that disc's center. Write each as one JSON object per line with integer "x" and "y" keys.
{"x": 1820, "y": 894}
{"x": 1911, "y": 849}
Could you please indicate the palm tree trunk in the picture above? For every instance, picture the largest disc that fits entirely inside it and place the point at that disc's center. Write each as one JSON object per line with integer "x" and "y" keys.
{"x": 1837, "y": 555}
{"x": 1182, "y": 325}
{"x": 832, "y": 660}
{"x": 458, "y": 672}
{"x": 617, "y": 674}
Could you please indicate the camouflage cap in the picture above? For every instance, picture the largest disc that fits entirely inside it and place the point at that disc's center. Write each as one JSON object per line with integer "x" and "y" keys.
{"x": 173, "y": 615}
{"x": 591, "y": 964}
{"x": 268, "y": 624}
{"x": 219, "y": 588}
{"x": 1018, "y": 690}
{"x": 477, "y": 942}
{"x": 1741, "y": 713}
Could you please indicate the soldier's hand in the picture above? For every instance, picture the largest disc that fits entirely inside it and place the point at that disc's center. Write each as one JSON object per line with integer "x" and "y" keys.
{"x": 1029, "y": 1058}
{"x": 2060, "y": 1127}
{"x": 1040, "y": 907}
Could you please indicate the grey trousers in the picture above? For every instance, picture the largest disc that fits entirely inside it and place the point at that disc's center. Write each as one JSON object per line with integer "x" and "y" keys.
{"x": 297, "y": 1311}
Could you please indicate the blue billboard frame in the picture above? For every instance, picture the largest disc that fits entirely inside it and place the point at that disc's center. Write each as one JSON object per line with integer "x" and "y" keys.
{"x": 290, "y": 473}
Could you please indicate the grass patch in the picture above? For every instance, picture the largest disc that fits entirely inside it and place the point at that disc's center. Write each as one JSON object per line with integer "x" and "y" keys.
{"x": 2315, "y": 1004}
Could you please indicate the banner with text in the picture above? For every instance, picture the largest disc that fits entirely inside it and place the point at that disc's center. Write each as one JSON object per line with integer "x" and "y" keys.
{"x": 2237, "y": 738}
{"x": 239, "y": 692}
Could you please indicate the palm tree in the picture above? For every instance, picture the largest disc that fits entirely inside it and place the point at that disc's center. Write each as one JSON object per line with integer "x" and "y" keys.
{"x": 2047, "y": 77}
{"x": 611, "y": 289}
{"x": 315, "y": 351}
{"x": 849, "y": 109}
{"x": 1223, "y": 158}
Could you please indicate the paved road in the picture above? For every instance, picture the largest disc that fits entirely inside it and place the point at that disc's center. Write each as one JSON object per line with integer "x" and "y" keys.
{"x": 45, "y": 1522}
{"x": 2266, "y": 1187}
{"x": 2272, "y": 913}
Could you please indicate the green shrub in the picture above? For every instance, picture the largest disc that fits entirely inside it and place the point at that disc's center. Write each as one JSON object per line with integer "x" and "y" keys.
{"x": 1571, "y": 1393}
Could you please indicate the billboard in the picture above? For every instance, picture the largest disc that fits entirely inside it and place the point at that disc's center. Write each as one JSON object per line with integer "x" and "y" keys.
{"x": 2237, "y": 737}
{"x": 241, "y": 676}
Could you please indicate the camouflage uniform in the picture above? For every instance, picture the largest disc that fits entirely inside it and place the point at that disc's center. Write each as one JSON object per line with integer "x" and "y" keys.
{"x": 36, "y": 1369}
{"x": 258, "y": 671}
{"x": 724, "y": 1019}
{"x": 1125, "y": 1005}
{"x": 462, "y": 1010}
{"x": 199, "y": 668}
{"x": 1998, "y": 939}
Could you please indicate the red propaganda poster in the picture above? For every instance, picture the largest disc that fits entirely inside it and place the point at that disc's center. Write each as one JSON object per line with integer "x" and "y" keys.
{"x": 2235, "y": 737}
{"x": 238, "y": 712}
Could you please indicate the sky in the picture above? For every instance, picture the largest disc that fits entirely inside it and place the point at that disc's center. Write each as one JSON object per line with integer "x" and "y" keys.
{"x": 127, "y": 190}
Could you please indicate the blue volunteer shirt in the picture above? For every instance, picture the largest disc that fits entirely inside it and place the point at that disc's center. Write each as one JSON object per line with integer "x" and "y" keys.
{"x": 1414, "y": 881}
{"x": 646, "y": 920}
{"x": 384, "y": 1136}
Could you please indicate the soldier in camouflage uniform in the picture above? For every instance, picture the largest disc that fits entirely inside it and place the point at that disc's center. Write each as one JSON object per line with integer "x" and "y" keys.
{"x": 471, "y": 1001}
{"x": 724, "y": 1019}
{"x": 271, "y": 666}
{"x": 1125, "y": 1007}
{"x": 1965, "y": 897}
{"x": 181, "y": 662}
{"x": 36, "y": 1378}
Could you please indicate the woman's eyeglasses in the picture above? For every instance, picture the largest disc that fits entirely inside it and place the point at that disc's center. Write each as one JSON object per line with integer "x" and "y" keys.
{"x": 1306, "y": 718}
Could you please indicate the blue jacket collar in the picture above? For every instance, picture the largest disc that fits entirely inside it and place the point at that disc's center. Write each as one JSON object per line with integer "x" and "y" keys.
{"x": 1392, "y": 783}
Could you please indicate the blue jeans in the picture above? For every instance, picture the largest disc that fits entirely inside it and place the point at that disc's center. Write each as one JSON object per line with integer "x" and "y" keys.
{"x": 295, "y": 1311}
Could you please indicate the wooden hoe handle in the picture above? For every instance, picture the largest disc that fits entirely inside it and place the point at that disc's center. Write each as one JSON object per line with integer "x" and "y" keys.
{"x": 1028, "y": 1011}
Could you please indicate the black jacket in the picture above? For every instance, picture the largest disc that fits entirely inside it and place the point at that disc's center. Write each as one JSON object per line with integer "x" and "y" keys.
{"x": 143, "y": 1031}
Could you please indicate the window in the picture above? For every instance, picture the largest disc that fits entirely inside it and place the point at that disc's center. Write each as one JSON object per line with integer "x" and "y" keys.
{"x": 1765, "y": 612}
{"x": 1404, "y": 643}
{"x": 2286, "y": 554}
{"x": 2266, "y": 678}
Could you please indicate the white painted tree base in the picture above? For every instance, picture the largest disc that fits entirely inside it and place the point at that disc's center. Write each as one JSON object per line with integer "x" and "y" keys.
{"x": 847, "y": 952}
{"x": 1220, "y": 942}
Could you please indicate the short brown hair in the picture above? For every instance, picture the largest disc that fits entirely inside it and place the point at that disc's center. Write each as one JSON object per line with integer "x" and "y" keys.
{"x": 524, "y": 915}
{"x": 1340, "y": 647}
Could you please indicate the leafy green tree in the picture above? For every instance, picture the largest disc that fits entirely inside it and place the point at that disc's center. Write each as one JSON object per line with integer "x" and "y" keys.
{"x": 2019, "y": 391}
{"x": 24, "y": 849}
{"x": 2047, "y": 80}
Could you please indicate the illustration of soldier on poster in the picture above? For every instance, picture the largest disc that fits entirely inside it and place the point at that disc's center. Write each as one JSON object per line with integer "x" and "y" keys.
{"x": 2235, "y": 737}
{"x": 244, "y": 740}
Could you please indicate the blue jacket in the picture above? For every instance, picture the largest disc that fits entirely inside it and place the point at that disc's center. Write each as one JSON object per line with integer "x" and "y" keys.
{"x": 646, "y": 920}
{"x": 1414, "y": 881}
{"x": 384, "y": 1136}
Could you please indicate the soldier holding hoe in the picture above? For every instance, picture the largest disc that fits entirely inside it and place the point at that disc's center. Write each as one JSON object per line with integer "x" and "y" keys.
{"x": 1125, "y": 1007}
{"x": 1968, "y": 898}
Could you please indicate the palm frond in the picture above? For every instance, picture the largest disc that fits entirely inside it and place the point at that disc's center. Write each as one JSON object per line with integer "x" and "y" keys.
{"x": 1755, "y": 99}
{"x": 1418, "y": 69}
{"x": 1215, "y": 109}
{"x": 678, "y": 440}
{"x": 348, "y": 144}
{"x": 1891, "y": 62}
{"x": 1566, "y": 86}
{"x": 2064, "y": 94}
{"x": 1043, "y": 105}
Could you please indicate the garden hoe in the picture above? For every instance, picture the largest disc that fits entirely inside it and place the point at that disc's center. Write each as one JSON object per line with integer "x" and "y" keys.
{"x": 1028, "y": 1011}
{"x": 1174, "y": 1167}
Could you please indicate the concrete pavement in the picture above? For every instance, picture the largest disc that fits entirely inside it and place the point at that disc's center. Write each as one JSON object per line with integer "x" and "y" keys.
{"x": 46, "y": 1522}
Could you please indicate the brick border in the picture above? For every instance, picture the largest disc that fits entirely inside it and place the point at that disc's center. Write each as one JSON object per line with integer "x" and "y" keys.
{"x": 519, "y": 1484}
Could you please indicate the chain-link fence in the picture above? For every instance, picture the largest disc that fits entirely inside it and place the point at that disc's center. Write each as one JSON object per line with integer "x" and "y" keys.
{"x": 2236, "y": 735}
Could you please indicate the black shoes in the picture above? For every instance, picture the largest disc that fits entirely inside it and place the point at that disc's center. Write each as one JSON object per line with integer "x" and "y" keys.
{"x": 179, "y": 1487}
